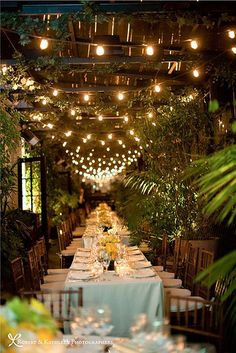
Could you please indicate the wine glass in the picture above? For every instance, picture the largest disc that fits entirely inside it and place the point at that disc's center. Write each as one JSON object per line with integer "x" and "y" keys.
{"x": 106, "y": 260}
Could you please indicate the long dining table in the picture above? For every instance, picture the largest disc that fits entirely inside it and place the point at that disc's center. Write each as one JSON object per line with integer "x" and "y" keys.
{"x": 127, "y": 296}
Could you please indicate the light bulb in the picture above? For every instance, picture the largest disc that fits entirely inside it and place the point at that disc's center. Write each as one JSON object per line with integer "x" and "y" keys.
{"x": 86, "y": 97}
{"x": 157, "y": 88}
{"x": 196, "y": 73}
{"x": 108, "y": 149}
{"x": 88, "y": 136}
{"x": 43, "y": 44}
{"x": 131, "y": 132}
{"x": 100, "y": 118}
{"x": 44, "y": 102}
{"x": 100, "y": 50}
{"x": 150, "y": 115}
{"x": 110, "y": 136}
{"x": 194, "y": 44}
{"x": 55, "y": 92}
{"x": 68, "y": 133}
{"x": 149, "y": 50}
{"x": 50, "y": 126}
{"x": 103, "y": 143}
{"x": 231, "y": 34}
{"x": 120, "y": 96}
{"x": 72, "y": 112}
{"x": 233, "y": 50}
{"x": 126, "y": 119}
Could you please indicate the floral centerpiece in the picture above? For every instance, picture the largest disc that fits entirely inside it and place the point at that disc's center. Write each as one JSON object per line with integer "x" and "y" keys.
{"x": 28, "y": 327}
{"x": 110, "y": 243}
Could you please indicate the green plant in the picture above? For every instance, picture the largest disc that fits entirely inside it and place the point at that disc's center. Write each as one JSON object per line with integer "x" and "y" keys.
{"x": 215, "y": 176}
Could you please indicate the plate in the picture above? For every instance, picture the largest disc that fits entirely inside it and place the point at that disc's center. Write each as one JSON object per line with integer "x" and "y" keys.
{"x": 76, "y": 275}
{"x": 140, "y": 265}
{"x": 136, "y": 258}
{"x": 80, "y": 266}
{"x": 144, "y": 273}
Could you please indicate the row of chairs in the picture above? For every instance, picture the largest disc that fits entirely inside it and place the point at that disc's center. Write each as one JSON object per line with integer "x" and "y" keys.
{"x": 189, "y": 305}
{"x": 69, "y": 238}
{"x": 36, "y": 270}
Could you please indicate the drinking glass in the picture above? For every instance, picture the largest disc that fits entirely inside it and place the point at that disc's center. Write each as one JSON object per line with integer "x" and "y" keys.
{"x": 106, "y": 261}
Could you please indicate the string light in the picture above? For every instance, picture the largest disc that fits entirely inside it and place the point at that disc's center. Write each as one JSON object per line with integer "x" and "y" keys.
{"x": 100, "y": 118}
{"x": 86, "y": 97}
{"x": 4, "y": 69}
{"x": 64, "y": 144}
{"x": 131, "y": 132}
{"x": 84, "y": 140}
{"x": 53, "y": 137}
{"x": 110, "y": 136}
{"x": 120, "y": 142}
{"x": 55, "y": 92}
{"x": 68, "y": 133}
{"x": 72, "y": 112}
{"x": 100, "y": 50}
{"x": 196, "y": 73}
{"x": 231, "y": 34}
{"x": 150, "y": 115}
{"x": 233, "y": 50}
{"x": 157, "y": 88}
{"x": 103, "y": 143}
{"x": 108, "y": 149}
{"x": 120, "y": 96}
{"x": 50, "y": 126}
{"x": 44, "y": 101}
{"x": 194, "y": 44}
{"x": 149, "y": 50}
{"x": 43, "y": 44}
{"x": 88, "y": 136}
{"x": 126, "y": 119}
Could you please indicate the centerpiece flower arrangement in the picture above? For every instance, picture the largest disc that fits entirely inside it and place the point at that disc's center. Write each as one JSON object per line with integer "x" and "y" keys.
{"x": 27, "y": 327}
{"x": 109, "y": 243}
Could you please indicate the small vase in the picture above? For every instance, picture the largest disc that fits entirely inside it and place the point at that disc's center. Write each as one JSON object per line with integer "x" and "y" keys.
{"x": 111, "y": 266}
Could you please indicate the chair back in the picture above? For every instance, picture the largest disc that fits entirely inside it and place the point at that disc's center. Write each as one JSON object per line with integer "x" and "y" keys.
{"x": 43, "y": 254}
{"x": 190, "y": 269}
{"x": 34, "y": 272}
{"x": 193, "y": 316}
{"x": 59, "y": 303}
{"x": 205, "y": 259}
{"x": 177, "y": 261}
{"x": 18, "y": 274}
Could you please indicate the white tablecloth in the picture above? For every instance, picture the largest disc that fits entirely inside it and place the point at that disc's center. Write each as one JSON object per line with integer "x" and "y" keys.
{"x": 127, "y": 297}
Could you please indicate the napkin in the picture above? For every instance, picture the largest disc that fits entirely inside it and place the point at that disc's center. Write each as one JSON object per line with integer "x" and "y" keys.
{"x": 141, "y": 264}
{"x": 136, "y": 258}
{"x": 134, "y": 252}
{"x": 83, "y": 250}
{"x": 80, "y": 275}
{"x": 83, "y": 260}
{"x": 133, "y": 247}
{"x": 80, "y": 266}
{"x": 144, "y": 273}
{"x": 83, "y": 254}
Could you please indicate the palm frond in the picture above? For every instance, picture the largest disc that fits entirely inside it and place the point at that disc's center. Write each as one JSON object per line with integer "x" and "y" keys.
{"x": 140, "y": 182}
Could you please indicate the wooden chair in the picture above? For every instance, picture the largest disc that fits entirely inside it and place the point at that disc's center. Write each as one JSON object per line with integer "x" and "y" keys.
{"x": 164, "y": 248}
{"x": 34, "y": 273}
{"x": 60, "y": 303}
{"x": 195, "y": 317}
{"x": 205, "y": 259}
{"x": 18, "y": 275}
{"x": 190, "y": 269}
